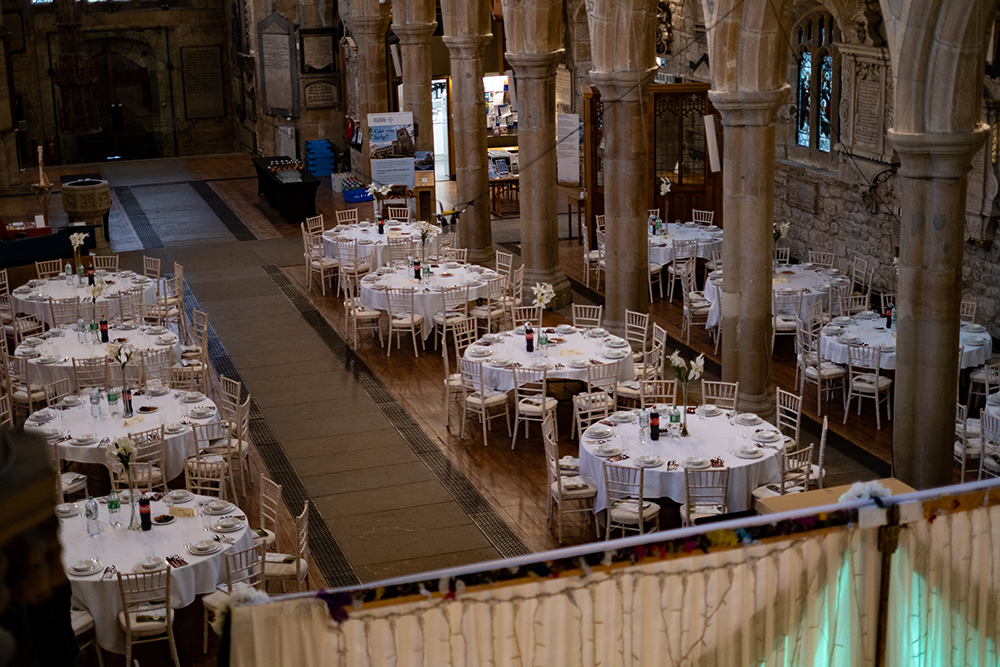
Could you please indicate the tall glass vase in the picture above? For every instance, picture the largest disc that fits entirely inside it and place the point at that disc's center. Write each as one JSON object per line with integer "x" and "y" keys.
{"x": 133, "y": 523}
{"x": 684, "y": 412}
{"x": 126, "y": 402}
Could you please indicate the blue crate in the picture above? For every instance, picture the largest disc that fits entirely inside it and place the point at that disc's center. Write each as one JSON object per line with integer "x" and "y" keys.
{"x": 355, "y": 196}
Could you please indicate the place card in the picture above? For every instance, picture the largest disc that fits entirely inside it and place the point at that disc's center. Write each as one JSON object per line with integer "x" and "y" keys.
{"x": 570, "y": 353}
{"x": 182, "y": 512}
{"x": 779, "y": 281}
{"x": 132, "y": 421}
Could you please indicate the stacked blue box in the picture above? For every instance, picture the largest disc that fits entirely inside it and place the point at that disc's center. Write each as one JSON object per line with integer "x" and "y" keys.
{"x": 320, "y": 158}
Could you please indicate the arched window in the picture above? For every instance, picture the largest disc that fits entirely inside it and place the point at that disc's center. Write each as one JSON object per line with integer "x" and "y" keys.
{"x": 815, "y": 72}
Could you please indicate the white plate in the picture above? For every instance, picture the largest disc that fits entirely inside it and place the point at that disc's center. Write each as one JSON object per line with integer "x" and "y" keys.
{"x": 216, "y": 509}
{"x": 833, "y": 329}
{"x": 42, "y": 416}
{"x": 51, "y": 433}
{"x": 32, "y": 341}
{"x": 232, "y": 529}
{"x": 599, "y": 431}
{"x": 180, "y": 495}
{"x": 202, "y": 413}
{"x": 156, "y": 331}
{"x": 480, "y": 352}
{"x": 597, "y": 332}
{"x": 84, "y": 439}
{"x": 749, "y": 454}
{"x": 140, "y": 279}
{"x": 85, "y": 568}
{"x": 748, "y": 419}
{"x": 843, "y": 320}
{"x": 708, "y": 410}
{"x": 167, "y": 522}
{"x": 499, "y": 362}
{"x": 213, "y": 547}
{"x": 193, "y": 397}
{"x": 167, "y": 340}
{"x": 577, "y": 363}
{"x": 50, "y": 359}
{"x": 174, "y": 428}
{"x": 767, "y": 436}
{"x": 695, "y": 463}
{"x": 617, "y": 342}
{"x": 607, "y": 453}
{"x": 564, "y": 329}
{"x": 492, "y": 338}
{"x": 648, "y": 461}
{"x": 615, "y": 354}
{"x": 848, "y": 340}
{"x": 623, "y": 417}
{"x": 67, "y": 509}
{"x": 888, "y": 348}
{"x": 155, "y": 564}
{"x": 540, "y": 366}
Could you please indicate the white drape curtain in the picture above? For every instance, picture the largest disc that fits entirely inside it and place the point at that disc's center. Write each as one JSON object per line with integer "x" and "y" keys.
{"x": 945, "y": 592}
{"x": 805, "y": 601}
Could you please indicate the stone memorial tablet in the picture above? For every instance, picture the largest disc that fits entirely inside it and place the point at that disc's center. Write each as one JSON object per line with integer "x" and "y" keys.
{"x": 317, "y": 51}
{"x": 279, "y": 73}
{"x": 802, "y": 195}
{"x": 321, "y": 94}
{"x": 201, "y": 70}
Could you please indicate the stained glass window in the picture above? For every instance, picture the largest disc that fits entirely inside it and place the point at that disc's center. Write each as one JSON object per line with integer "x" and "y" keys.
{"x": 825, "y": 98}
{"x": 804, "y": 98}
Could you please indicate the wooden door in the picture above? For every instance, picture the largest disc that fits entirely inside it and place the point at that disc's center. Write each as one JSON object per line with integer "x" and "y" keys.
{"x": 124, "y": 99}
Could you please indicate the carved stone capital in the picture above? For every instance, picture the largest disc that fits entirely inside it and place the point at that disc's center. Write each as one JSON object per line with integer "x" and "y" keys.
{"x": 414, "y": 34}
{"x": 466, "y": 47}
{"x": 535, "y": 65}
{"x": 623, "y": 86}
{"x": 755, "y": 108}
{"x": 946, "y": 155}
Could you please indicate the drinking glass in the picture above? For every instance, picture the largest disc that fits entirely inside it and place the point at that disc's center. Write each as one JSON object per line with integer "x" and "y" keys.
{"x": 206, "y": 521}
{"x": 148, "y": 550}
{"x": 186, "y": 537}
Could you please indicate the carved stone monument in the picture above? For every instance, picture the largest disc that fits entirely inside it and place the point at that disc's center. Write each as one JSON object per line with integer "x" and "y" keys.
{"x": 279, "y": 72}
{"x": 321, "y": 94}
{"x": 865, "y": 101}
{"x": 981, "y": 206}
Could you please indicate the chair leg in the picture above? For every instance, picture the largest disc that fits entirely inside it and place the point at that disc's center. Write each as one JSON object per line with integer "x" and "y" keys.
{"x": 204, "y": 644}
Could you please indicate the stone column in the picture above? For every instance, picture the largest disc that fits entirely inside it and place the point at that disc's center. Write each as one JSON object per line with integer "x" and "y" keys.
{"x": 536, "y": 139}
{"x": 414, "y": 24}
{"x": 468, "y": 105}
{"x": 748, "y": 209}
{"x": 368, "y": 23}
{"x": 933, "y": 169}
{"x": 626, "y": 192}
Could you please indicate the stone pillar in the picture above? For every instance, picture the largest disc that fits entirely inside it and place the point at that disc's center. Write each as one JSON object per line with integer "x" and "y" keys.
{"x": 468, "y": 105}
{"x": 536, "y": 139}
{"x": 626, "y": 192}
{"x": 414, "y": 24}
{"x": 748, "y": 209}
{"x": 933, "y": 169}
{"x": 368, "y": 21}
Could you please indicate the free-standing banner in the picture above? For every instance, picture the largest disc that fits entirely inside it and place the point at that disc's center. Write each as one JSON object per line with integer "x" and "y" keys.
{"x": 392, "y": 148}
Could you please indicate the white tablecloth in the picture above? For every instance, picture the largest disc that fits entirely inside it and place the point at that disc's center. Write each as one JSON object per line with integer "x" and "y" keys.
{"x": 661, "y": 248}
{"x": 792, "y": 277}
{"x": 67, "y": 347}
{"x": 176, "y": 446}
{"x": 58, "y": 289}
{"x": 711, "y": 437}
{"x": 977, "y": 346}
{"x": 512, "y": 347}
{"x": 371, "y": 242}
{"x": 124, "y": 548}
{"x": 428, "y": 300}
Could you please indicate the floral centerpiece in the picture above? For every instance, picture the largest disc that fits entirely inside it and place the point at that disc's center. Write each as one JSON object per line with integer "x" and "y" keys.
{"x": 780, "y": 231}
{"x": 664, "y": 191}
{"x": 76, "y": 240}
{"x": 544, "y": 293}
{"x": 96, "y": 290}
{"x": 122, "y": 354}
{"x": 120, "y": 453}
{"x": 686, "y": 373}
{"x": 379, "y": 193}
{"x": 426, "y": 230}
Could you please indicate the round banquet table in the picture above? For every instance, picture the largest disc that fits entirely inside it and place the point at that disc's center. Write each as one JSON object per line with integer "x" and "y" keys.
{"x": 427, "y": 300}
{"x": 73, "y": 421}
{"x": 661, "y": 247}
{"x": 789, "y": 277}
{"x": 373, "y": 243}
{"x": 124, "y": 549}
{"x": 66, "y": 347}
{"x": 977, "y": 346}
{"x": 57, "y": 288}
{"x": 577, "y": 346}
{"x": 711, "y": 437}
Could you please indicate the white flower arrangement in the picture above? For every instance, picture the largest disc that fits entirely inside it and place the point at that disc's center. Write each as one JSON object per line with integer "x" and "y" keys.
{"x": 872, "y": 490}
{"x": 242, "y": 596}
{"x": 379, "y": 193}
{"x": 121, "y": 353}
{"x": 664, "y": 186}
{"x": 544, "y": 293}
{"x": 76, "y": 240}
{"x": 97, "y": 289}
{"x": 121, "y": 451}
{"x": 685, "y": 372}
{"x": 427, "y": 229}
{"x": 780, "y": 231}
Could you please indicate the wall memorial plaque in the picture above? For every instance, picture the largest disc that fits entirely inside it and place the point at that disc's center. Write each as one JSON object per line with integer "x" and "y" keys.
{"x": 318, "y": 51}
{"x": 803, "y": 195}
{"x": 201, "y": 70}
{"x": 322, "y": 94}
{"x": 865, "y": 102}
{"x": 279, "y": 73}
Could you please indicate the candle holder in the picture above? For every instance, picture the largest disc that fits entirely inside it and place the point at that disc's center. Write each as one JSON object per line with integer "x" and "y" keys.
{"x": 43, "y": 191}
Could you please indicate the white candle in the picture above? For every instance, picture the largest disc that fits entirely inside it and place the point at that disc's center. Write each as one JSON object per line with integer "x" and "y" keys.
{"x": 40, "y": 178}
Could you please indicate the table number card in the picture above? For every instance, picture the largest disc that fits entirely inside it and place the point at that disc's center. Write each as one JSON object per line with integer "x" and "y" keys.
{"x": 570, "y": 353}
{"x": 132, "y": 421}
{"x": 779, "y": 281}
{"x": 182, "y": 512}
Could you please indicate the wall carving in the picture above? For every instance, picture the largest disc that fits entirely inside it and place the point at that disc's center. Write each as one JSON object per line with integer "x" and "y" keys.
{"x": 981, "y": 206}
{"x": 865, "y": 102}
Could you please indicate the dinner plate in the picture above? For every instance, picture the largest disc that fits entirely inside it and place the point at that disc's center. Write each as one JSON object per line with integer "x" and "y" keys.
{"x": 597, "y": 332}
{"x": 766, "y": 436}
{"x": 220, "y": 528}
{"x": 833, "y": 329}
{"x": 156, "y": 330}
{"x": 607, "y": 452}
{"x": 27, "y": 353}
{"x": 690, "y": 225}
{"x": 174, "y": 428}
{"x": 158, "y": 391}
{"x": 140, "y": 279}
{"x": 210, "y": 548}
{"x": 577, "y": 363}
{"x": 708, "y": 410}
{"x": 85, "y": 568}
{"x": 499, "y": 362}
{"x": 993, "y": 399}
{"x": 598, "y": 431}
{"x": 748, "y": 419}
{"x": 32, "y": 341}
{"x": 167, "y": 340}
{"x": 180, "y": 495}
{"x": 155, "y": 563}
{"x": 615, "y": 354}
{"x": 648, "y": 461}
{"x": 128, "y": 326}
{"x": 564, "y": 329}
{"x": 843, "y": 320}
{"x": 695, "y": 462}
{"x": 85, "y": 439}
{"x": 848, "y": 340}
{"x": 480, "y": 352}
{"x": 519, "y": 331}
{"x": 50, "y": 359}
{"x": 716, "y": 274}
{"x": 556, "y": 340}
{"x": 42, "y": 416}
{"x": 51, "y": 433}
{"x": 973, "y": 328}
{"x": 617, "y": 342}
{"x": 492, "y": 338}
{"x": 193, "y": 397}
{"x": 541, "y": 366}
{"x": 623, "y": 417}
{"x": 67, "y": 509}
{"x": 213, "y": 508}
{"x": 202, "y": 413}
{"x": 749, "y": 453}
{"x": 150, "y": 409}
{"x": 888, "y": 348}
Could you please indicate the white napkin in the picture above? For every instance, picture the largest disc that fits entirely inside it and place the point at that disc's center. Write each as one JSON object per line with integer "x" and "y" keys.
{"x": 569, "y": 463}
{"x": 573, "y": 483}
{"x": 631, "y": 506}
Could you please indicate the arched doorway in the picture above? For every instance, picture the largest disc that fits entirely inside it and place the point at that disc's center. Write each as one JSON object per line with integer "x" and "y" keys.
{"x": 125, "y": 100}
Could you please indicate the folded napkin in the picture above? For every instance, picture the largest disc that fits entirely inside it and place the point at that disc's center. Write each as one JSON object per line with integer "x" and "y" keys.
{"x": 278, "y": 558}
{"x": 569, "y": 463}
{"x": 149, "y": 618}
{"x": 260, "y": 532}
{"x": 573, "y": 483}
{"x": 71, "y": 478}
{"x": 630, "y": 505}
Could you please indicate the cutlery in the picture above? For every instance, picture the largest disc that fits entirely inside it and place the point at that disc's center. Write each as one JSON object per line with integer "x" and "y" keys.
{"x": 104, "y": 575}
{"x": 227, "y": 540}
